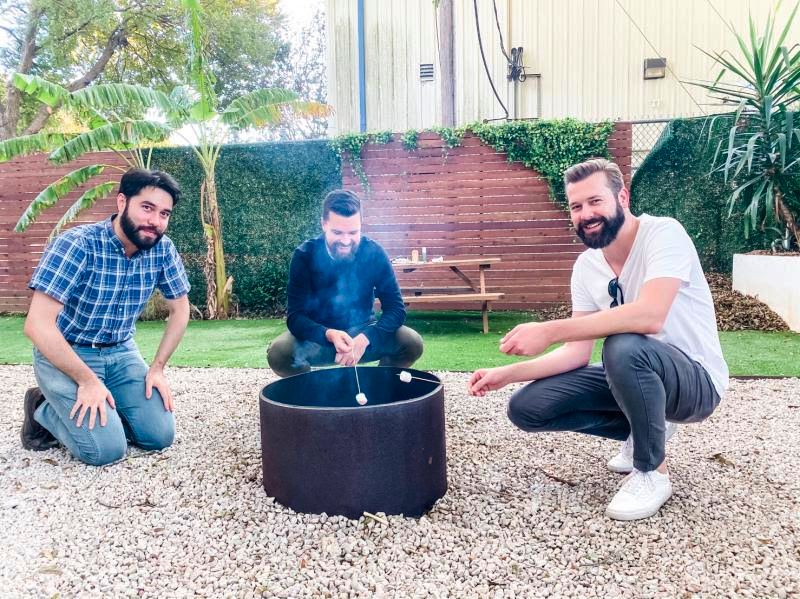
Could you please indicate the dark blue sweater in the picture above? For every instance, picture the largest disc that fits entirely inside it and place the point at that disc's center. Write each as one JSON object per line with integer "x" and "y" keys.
{"x": 327, "y": 294}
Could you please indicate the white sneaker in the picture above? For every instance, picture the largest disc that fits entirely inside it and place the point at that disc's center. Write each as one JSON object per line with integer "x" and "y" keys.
{"x": 623, "y": 461}
{"x": 640, "y": 496}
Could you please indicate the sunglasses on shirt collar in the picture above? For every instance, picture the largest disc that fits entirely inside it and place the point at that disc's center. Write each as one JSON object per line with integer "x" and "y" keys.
{"x": 615, "y": 291}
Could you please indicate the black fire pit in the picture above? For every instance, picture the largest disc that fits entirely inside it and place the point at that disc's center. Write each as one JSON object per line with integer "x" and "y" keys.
{"x": 322, "y": 452}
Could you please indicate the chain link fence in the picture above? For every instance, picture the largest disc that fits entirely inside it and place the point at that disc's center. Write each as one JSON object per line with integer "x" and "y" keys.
{"x": 644, "y": 135}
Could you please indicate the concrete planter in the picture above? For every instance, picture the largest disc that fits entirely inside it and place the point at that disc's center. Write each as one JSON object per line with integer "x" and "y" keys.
{"x": 775, "y": 280}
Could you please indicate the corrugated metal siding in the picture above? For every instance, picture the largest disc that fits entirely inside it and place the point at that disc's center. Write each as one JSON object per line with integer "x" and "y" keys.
{"x": 589, "y": 53}
{"x": 342, "y": 29}
{"x": 399, "y": 36}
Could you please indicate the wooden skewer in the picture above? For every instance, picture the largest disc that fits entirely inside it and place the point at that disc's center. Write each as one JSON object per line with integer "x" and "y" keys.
{"x": 417, "y": 378}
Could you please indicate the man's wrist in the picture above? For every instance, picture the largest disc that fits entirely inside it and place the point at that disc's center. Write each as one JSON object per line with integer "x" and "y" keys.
{"x": 551, "y": 330}
{"x": 86, "y": 378}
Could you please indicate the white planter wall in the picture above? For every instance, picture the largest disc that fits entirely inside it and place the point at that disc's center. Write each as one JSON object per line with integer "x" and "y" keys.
{"x": 775, "y": 280}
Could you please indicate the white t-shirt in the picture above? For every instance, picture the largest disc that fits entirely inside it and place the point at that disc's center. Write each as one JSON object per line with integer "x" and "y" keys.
{"x": 662, "y": 248}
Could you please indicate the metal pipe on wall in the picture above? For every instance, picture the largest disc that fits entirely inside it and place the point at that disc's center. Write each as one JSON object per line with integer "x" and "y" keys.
{"x": 362, "y": 79}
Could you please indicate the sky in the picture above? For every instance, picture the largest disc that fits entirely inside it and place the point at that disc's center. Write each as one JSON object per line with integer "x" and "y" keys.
{"x": 299, "y": 12}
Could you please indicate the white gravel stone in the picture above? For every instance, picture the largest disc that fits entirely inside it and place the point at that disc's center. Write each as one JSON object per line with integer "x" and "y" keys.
{"x": 523, "y": 516}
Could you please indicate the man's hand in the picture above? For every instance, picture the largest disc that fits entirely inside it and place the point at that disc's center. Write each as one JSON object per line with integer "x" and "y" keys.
{"x": 529, "y": 339}
{"x": 487, "y": 379}
{"x": 156, "y": 378}
{"x": 360, "y": 343}
{"x": 91, "y": 397}
{"x": 342, "y": 342}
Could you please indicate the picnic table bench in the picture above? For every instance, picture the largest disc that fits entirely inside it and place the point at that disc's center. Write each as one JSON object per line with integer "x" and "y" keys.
{"x": 469, "y": 292}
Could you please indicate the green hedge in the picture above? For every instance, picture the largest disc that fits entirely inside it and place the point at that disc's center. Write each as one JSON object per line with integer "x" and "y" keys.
{"x": 674, "y": 181}
{"x": 270, "y": 196}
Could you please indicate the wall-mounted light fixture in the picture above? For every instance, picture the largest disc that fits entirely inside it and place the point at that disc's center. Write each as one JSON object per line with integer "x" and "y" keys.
{"x": 655, "y": 68}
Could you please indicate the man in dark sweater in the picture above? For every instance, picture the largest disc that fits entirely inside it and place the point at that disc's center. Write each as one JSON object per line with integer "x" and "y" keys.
{"x": 333, "y": 282}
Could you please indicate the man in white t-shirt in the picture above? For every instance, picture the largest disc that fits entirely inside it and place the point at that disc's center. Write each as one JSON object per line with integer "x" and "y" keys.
{"x": 641, "y": 287}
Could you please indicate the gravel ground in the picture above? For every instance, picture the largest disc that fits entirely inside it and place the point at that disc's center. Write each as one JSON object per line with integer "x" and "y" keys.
{"x": 523, "y": 516}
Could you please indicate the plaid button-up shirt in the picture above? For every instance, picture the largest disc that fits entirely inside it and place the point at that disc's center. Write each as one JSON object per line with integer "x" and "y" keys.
{"x": 104, "y": 291}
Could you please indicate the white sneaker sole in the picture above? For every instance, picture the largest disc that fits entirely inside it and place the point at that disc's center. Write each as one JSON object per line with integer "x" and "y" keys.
{"x": 620, "y": 469}
{"x": 639, "y": 514}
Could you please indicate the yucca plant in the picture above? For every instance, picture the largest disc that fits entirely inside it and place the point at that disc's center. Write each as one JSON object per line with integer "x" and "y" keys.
{"x": 759, "y": 154}
{"x": 188, "y": 112}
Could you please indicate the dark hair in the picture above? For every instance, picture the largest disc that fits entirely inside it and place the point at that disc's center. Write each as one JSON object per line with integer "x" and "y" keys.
{"x": 579, "y": 172}
{"x": 341, "y": 201}
{"x": 136, "y": 179}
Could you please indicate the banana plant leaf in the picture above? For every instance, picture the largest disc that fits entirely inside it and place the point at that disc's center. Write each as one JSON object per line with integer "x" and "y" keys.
{"x": 84, "y": 202}
{"x": 51, "y": 194}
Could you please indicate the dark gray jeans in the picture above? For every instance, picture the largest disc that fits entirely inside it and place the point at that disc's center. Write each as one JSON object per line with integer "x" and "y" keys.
{"x": 641, "y": 384}
{"x": 288, "y": 356}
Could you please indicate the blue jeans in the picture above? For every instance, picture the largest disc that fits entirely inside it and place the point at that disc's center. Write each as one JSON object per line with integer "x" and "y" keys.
{"x": 144, "y": 422}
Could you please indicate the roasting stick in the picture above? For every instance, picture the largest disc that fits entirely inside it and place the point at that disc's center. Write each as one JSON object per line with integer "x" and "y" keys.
{"x": 406, "y": 377}
{"x": 360, "y": 398}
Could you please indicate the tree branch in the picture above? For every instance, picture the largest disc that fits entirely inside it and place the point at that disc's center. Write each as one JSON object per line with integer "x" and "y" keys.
{"x": 115, "y": 40}
{"x": 10, "y": 116}
{"x": 76, "y": 29}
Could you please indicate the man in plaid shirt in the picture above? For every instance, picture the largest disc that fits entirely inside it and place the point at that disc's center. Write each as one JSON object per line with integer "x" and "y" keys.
{"x": 90, "y": 286}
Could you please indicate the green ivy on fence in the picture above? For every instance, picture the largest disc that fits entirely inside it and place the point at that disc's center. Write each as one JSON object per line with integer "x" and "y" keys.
{"x": 350, "y": 145}
{"x": 549, "y": 147}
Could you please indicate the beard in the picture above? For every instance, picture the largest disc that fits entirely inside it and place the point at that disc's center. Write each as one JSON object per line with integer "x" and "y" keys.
{"x": 606, "y": 233}
{"x": 334, "y": 250}
{"x": 134, "y": 233}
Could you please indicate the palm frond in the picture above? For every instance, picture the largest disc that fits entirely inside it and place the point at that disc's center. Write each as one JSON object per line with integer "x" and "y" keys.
{"x": 84, "y": 202}
{"x": 122, "y": 135}
{"x": 122, "y": 95}
{"x": 199, "y": 72}
{"x": 51, "y": 194}
{"x": 266, "y": 107}
{"x": 31, "y": 144}
{"x": 43, "y": 90}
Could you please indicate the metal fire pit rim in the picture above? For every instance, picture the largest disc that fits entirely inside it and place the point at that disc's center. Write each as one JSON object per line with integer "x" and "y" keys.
{"x": 266, "y": 399}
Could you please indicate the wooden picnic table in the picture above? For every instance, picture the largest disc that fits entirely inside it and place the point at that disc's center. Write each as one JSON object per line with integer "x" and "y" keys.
{"x": 472, "y": 291}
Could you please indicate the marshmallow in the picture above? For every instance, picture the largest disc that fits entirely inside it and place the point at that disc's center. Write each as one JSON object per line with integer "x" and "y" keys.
{"x": 405, "y": 376}
{"x": 361, "y": 399}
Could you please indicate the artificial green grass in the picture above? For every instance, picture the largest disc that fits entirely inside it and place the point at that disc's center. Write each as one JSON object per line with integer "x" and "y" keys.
{"x": 453, "y": 341}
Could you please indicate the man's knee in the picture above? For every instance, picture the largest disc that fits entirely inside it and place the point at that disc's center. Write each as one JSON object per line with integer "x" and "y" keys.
{"x": 107, "y": 449}
{"x": 281, "y": 355}
{"x": 619, "y": 349}
{"x": 160, "y": 430}
{"x": 410, "y": 344}
{"x": 524, "y": 408}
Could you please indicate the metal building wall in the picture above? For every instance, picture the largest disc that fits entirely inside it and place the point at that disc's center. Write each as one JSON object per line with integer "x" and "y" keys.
{"x": 589, "y": 53}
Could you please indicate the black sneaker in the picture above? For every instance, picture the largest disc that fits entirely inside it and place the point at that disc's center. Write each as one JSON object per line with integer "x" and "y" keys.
{"x": 34, "y": 436}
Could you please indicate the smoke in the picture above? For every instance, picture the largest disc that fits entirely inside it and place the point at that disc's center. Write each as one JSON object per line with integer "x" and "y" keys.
{"x": 304, "y": 352}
